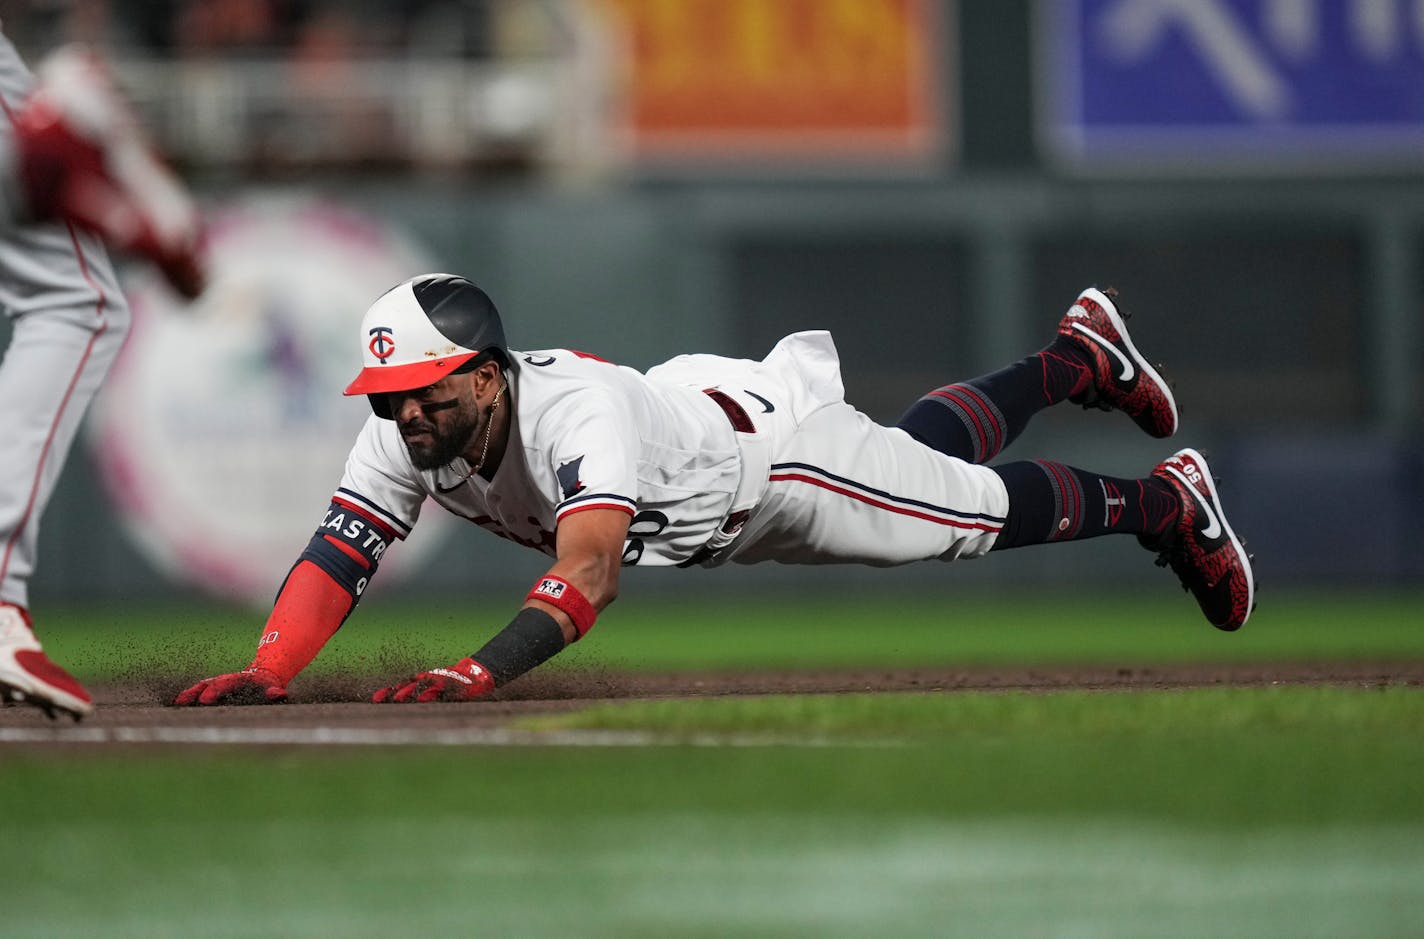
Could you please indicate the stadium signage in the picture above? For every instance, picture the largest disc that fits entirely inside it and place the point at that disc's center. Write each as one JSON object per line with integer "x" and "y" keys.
{"x": 1211, "y": 84}
{"x": 766, "y": 81}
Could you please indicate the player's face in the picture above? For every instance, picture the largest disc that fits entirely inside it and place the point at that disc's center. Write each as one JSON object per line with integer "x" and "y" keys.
{"x": 437, "y": 422}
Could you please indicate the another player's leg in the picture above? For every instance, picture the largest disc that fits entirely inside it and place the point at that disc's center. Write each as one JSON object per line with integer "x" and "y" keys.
{"x": 70, "y": 322}
{"x": 1175, "y": 512}
{"x": 1092, "y": 361}
{"x": 70, "y": 319}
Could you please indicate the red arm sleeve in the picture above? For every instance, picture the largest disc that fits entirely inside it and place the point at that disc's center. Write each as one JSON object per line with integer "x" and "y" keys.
{"x": 308, "y": 611}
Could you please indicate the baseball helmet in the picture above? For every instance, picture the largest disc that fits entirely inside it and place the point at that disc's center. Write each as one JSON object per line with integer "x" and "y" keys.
{"x": 422, "y": 330}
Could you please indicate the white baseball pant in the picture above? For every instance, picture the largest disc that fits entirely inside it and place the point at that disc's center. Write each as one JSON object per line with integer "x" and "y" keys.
{"x": 69, "y": 317}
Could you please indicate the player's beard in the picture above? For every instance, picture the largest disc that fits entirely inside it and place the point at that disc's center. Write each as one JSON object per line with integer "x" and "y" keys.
{"x": 444, "y": 446}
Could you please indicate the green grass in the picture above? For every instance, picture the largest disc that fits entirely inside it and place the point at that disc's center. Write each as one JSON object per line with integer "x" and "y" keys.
{"x": 1209, "y": 812}
{"x": 968, "y": 628}
{"x": 1206, "y": 756}
{"x": 1341, "y": 713}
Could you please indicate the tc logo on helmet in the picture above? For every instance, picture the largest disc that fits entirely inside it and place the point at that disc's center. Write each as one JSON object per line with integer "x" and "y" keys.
{"x": 382, "y": 344}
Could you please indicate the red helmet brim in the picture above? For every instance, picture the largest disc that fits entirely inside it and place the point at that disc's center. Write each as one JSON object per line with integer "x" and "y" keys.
{"x": 382, "y": 379}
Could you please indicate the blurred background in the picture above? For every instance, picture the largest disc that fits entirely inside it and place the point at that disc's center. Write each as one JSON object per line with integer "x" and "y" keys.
{"x": 932, "y": 181}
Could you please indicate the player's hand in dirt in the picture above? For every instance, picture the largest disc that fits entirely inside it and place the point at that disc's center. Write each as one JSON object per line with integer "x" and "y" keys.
{"x": 464, "y": 680}
{"x": 250, "y": 686}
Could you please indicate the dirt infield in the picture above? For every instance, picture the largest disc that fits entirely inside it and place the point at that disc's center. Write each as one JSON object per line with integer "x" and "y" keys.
{"x": 337, "y": 705}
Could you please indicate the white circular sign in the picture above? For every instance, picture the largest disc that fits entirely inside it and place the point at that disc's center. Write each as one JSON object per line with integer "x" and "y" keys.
{"x": 222, "y": 431}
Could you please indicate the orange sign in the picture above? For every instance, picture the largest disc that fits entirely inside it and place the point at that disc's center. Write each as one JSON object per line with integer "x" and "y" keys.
{"x": 758, "y": 78}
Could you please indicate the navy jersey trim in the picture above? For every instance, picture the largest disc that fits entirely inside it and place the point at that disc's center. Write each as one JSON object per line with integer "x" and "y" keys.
{"x": 401, "y": 529}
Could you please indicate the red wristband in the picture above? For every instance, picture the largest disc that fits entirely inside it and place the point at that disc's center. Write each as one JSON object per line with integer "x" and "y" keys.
{"x": 559, "y": 593}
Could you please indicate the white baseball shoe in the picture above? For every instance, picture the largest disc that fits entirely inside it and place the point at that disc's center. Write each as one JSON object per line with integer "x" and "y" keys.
{"x": 85, "y": 159}
{"x": 28, "y": 676}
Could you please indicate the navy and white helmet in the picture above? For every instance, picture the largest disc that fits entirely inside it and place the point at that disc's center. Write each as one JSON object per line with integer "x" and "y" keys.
{"x": 422, "y": 330}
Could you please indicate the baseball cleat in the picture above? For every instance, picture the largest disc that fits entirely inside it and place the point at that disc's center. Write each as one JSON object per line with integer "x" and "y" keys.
{"x": 28, "y": 676}
{"x": 84, "y": 159}
{"x": 1122, "y": 379}
{"x": 1201, "y": 548}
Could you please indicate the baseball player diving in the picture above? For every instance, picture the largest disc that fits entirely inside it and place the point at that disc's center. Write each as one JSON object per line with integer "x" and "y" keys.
{"x": 706, "y": 460}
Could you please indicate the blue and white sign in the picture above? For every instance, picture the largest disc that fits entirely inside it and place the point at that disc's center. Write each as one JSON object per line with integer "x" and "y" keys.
{"x": 1212, "y": 84}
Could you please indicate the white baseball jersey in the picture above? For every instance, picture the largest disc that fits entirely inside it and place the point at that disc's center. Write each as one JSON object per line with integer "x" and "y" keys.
{"x": 713, "y": 459}
{"x": 59, "y": 289}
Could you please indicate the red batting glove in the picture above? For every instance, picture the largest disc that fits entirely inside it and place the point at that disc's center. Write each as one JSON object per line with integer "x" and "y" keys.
{"x": 463, "y": 681}
{"x": 249, "y": 686}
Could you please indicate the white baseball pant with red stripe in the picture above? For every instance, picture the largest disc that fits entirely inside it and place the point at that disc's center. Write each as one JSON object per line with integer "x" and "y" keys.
{"x": 59, "y": 290}
{"x": 840, "y": 488}
{"x": 843, "y": 488}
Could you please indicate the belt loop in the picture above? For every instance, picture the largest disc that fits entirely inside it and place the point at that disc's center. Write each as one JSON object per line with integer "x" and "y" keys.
{"x": 736, "y": 414}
